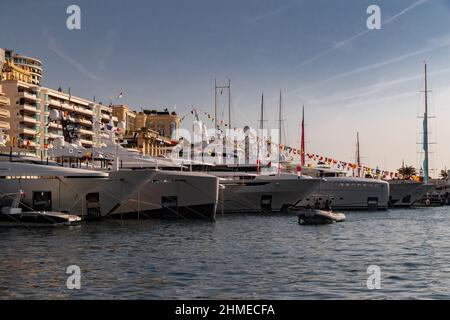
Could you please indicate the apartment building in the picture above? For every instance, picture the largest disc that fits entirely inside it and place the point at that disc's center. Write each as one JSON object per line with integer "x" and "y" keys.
{"x": 104, "y": 121}
{"x": 35, "y": 117}
{"x": 4, "y": 108}
{"x": 25, "y": 115}
{"x": 72, "y": 118}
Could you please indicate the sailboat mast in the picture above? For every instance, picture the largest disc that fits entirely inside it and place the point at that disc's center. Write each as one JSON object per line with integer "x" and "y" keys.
{"x": 261, "y": 127}
{"x": 261, "y": 124}
{"x": 358, "y": 155}
{"x": 229, "y": 104}
{"x": 302, "y": 143}
{"x": 279, "y": 137}
{"x": 215, "y": 109}
{"x": 425, "y": 132}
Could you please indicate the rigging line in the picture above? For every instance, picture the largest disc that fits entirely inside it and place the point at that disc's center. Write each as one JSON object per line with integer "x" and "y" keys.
{"x": 190, "y": 184}
{"x": 147, "y": 213}
{"x": 78, "y": 196}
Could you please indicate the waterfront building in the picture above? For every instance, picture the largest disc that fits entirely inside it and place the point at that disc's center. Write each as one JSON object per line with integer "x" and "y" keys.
{"x": 125, "y": 116}
{"x": 25, "y": 116}
{"x": 150, "y": 131}
{"x": 34, "y": 117}
{"x": 164, "y": 122}
{"x": 4, "y": 108}
{"x": 74, "y": 119}
{"x": 22, "y": 68}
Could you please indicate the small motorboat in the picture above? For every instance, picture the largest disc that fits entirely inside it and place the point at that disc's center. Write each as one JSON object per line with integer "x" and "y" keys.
{"x": 316, "y": 216}
{"x": 14, "y": 217}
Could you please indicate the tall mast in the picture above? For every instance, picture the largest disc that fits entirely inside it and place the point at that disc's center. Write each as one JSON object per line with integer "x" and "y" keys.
{"x": 261, "y": 127}
{"x": 216, "y": 87}
{"x": 229, "y": 104}
{"x": 425, "y": 131}
{"x": 261, "y": 121}
{"x": 215, "y": 108}
{"x": 302, "y": 143}
{"x": 279, "y": 136}
{"x": 358, "y": 155}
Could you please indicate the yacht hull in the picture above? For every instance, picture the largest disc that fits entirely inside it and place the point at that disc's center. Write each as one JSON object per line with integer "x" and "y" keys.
{"x": 264, "y": 195}
{"x": 406, "y": 194}
{"x": 351, "y": 194}
{"x": 172, "y": 194}
{"x": 85, "y": 193}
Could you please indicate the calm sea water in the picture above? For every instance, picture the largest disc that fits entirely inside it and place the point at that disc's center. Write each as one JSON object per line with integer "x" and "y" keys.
{"x": 239, "y": 256}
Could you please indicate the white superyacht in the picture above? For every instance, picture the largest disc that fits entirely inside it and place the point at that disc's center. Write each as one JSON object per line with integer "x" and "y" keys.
{"x": 166, "y": 194}
{"x": 81, "y": 192}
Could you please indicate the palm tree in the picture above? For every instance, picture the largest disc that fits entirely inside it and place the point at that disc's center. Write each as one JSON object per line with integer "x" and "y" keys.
{"x": 444, "y": 174}
{"x": 407, "y": 172}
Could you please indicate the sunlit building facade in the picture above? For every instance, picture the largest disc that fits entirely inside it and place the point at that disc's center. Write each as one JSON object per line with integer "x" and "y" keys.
{"x": 164, "y": 122}
{"x": 25, "y": 115}
{"x": 4, "y": 108}
{"x": 22, "y": 68}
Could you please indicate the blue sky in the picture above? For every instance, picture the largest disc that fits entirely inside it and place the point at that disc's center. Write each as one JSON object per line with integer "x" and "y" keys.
{"x": 319, "y": 53}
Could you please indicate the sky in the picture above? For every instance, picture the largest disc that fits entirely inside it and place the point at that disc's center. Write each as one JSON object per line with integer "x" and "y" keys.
{"x": 319, "y": 53}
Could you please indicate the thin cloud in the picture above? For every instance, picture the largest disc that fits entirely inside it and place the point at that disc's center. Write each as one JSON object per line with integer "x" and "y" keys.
{"x": 374, "y": 89}
{"x": 440, "y": 45}
{"x": 415, "y": 4}
{"x": 272, "y": 13}
{"x": 54, "y": 46}
{"x": 359, "y": 35}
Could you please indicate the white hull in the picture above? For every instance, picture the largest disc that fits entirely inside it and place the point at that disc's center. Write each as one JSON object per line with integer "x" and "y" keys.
{"x": 264, "y": 194}
{"x": 79, "y": 192}
{"x": 351, "y": 194}
{"x": 173, "y": 194}
{"x": 406, "y": 193}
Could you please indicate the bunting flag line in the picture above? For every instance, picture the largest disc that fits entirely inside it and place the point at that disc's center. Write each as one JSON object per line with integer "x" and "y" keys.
{"x": 319, "y": 159}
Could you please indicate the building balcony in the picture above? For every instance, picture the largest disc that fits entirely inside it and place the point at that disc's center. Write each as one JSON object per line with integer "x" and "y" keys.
{"x": 29, "y": 107}
{"x": 108, "y": 109}
{"x": 84, "y": 131}
{"x": 54, "y": 103}
{"x": 83, "y": 111}
{"x": 28, "y": 119}
{"x": 5, "y": 113}
{"x": 29, "y": 96}
{"x": 27, "y": 131}
{"x": 84, "y": 121}
{"x": 105, "y": 116}
{"x": 4, "y": 100}
{"x": 4, "y": 125}
{"x": 68, "y": 107}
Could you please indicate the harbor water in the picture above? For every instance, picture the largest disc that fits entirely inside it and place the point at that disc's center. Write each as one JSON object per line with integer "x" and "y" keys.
{"x": 237, "y": 257}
